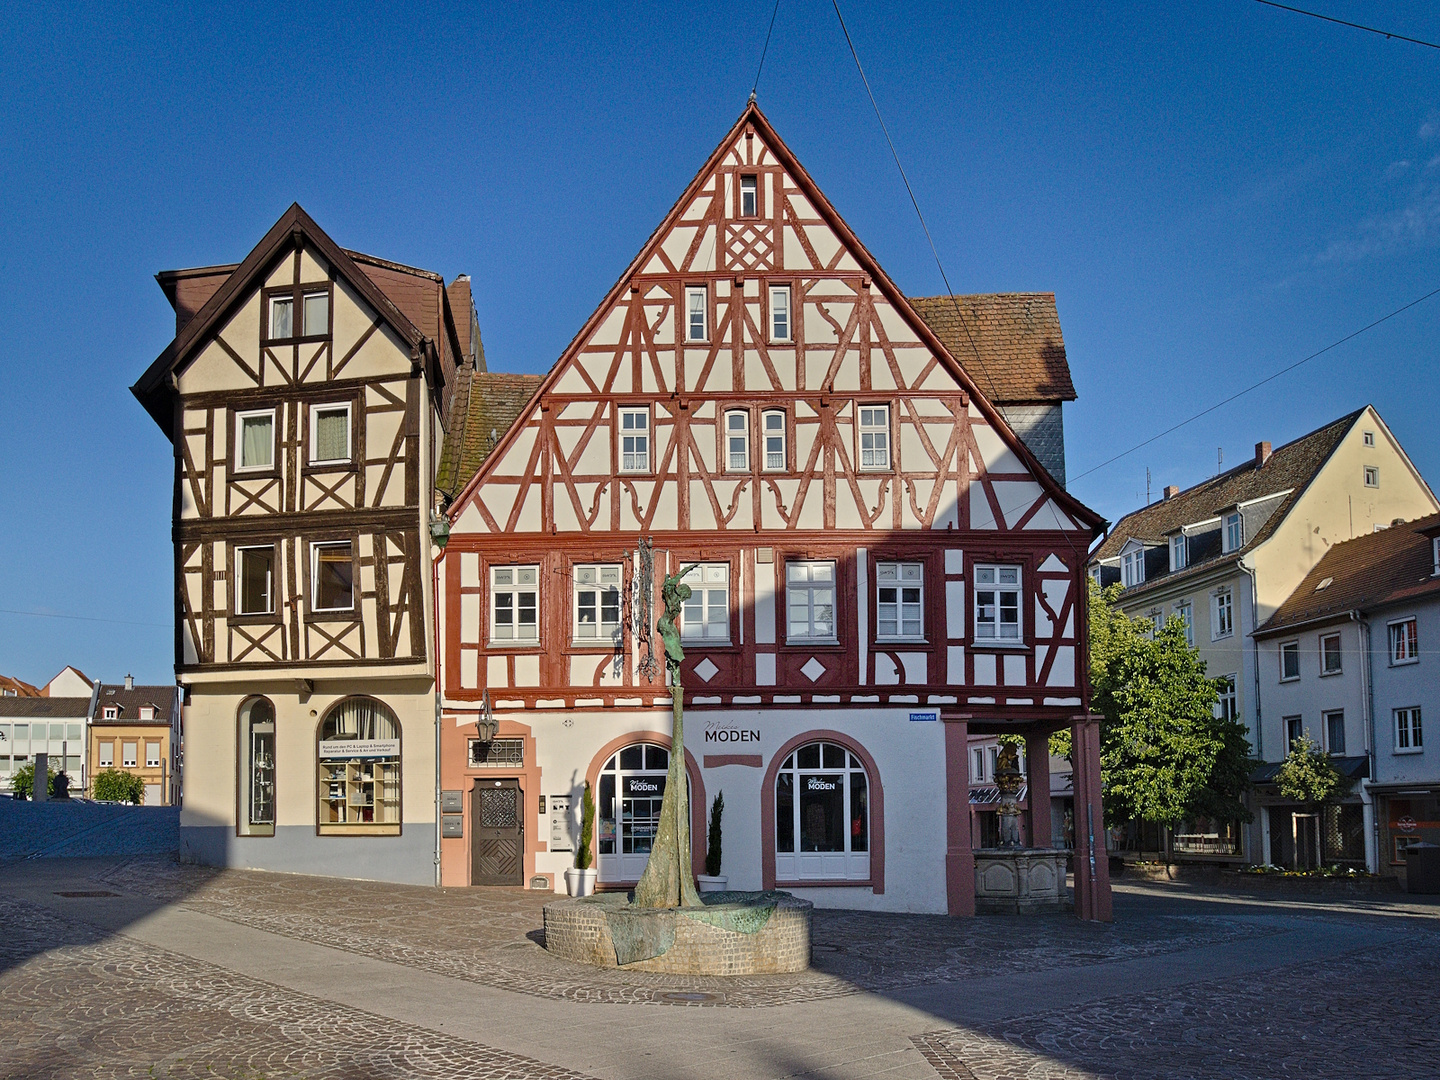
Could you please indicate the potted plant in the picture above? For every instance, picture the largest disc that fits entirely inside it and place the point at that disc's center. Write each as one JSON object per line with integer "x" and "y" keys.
{"x": 712, "y": 880}
{"x": 580, "y": 878}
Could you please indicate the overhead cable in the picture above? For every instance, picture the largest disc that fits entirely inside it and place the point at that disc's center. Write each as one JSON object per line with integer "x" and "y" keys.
{"x": 1353, "y": 25}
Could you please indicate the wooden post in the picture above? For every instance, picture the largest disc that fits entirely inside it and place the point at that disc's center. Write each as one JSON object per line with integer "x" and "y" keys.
{"x": 1092, "y": 863}
{"x": 959, "y": 850}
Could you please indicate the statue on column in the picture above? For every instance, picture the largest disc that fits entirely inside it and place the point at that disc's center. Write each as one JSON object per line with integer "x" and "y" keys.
{"x": 668, "y": 880}
{"x": 1007, "y": 779}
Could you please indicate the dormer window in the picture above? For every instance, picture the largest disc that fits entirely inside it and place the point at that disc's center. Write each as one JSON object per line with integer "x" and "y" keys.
{"x": 112, "y": 712}
{"x": 1435, "y": 554}
{"x": 749, "y": 196}
{"x": 1234, "y": 532}
{"x": 1177, "y": 553}
{"x": 147, "y": 712}
{"x": 1132, "y": 567}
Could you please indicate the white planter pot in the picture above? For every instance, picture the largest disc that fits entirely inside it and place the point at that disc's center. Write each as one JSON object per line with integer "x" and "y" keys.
{"x": 706, "y": 883}
{"x": 580, "y": 882}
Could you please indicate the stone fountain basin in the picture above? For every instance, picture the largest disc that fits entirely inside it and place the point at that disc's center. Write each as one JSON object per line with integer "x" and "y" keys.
{"x": 731, "y": 933}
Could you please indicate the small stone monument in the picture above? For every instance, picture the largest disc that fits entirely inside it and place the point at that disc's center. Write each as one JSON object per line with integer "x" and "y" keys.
{"x": 1012, "y": 879}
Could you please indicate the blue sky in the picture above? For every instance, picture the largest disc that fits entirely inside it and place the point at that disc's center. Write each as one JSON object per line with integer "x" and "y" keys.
{"x": 1211, "y": 190}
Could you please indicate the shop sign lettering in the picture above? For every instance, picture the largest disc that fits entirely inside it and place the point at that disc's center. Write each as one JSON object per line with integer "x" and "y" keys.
{"x": 931, "y": 716}
{"x": 346, "y": 749}
{"x": 818, "y": 783}
{"x": 719, "y": 735}
{"x": 1407, "y": 824}
{"x": 644, "y": 787}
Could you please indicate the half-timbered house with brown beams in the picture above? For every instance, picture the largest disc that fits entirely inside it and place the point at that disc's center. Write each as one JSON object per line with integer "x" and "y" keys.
{"x": 305, "y": 396}
{"x": 881, "y": 567}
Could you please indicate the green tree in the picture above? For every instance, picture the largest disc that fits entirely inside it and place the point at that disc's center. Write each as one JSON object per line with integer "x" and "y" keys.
{"x": 1308, "y": 776}
{"x": 117, "y": 785}
{"x": 22, "y": 783}
{"x": 712, "y": 849}
{"x": 584, "y": 854}
{"x": 1164, "y": 754}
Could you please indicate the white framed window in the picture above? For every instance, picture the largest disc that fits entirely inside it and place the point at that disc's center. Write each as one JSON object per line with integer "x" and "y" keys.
{"x": 1408, "y": 738}
{"x": 875, "y": 437}
{"x": 332, "y": 576}
{"x": 1132, "y": 567}
{"x": 1404, "y": 642}
{"x": 152, "y": 755}
{"x": 780, "y": 313}
{"x": 1222, "y": 614}
{"x": 1186, "y": 614}
{"x": 737, "y": 441}
{"x": 515, "y": 603}
{"x": 127, "y": 754}
{"x": 111, "y": 712}
{"x": 1227, "y": 705}
{"x": 810, "y": 601}
{"x": 697, "y": 312}
{"x": 1369, "y": 438}
{"x": 749, "y": 196}
{"x": 282, "y": 317}
{"x": 329, "y": 434}
{"x": 822, "y": 816}
{"x": 635, "y": 440}
{"x": 1372, "y": 476}
{"x": 1435, "y": 554}
{"x": 1334, "y": 724}
{"x": 255, "y": 440}
{"x": 255, "y": 580}
{"x": 314, "y": 314}
{"x": 1330, "y": 654}
{"x": 147, "y": 712}
{"x": 597, "y": 603}
{"x": 899, "y": 606}
{"x": 997, "y": 604}
{"x": 1289, "y": 661}
{"x": 1177, "y": 553}
{"x": 1234, "y": 532}
{"x": 705, "y": 617}
{"x": 773, "y": 426}
{"x": 977, "y": 765}
{"x": 107, "y": 755}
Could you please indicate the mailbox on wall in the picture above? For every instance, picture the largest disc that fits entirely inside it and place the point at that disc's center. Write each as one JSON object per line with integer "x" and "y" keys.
{"x": 452, "y": 802}
{"x": 452, "y": 825}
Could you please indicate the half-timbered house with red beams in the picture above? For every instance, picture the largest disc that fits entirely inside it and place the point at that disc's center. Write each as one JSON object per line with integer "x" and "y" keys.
{"x": 305, "y": 395}
{"x": 881, "y": 567}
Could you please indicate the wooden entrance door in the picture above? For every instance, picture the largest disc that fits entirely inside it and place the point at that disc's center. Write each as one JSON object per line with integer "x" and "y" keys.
{"x": 497, "y": 833}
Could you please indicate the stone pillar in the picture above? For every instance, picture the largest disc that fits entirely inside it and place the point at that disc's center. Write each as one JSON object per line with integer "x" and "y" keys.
{"x": 959, "y": 851}
{"x": 1037, "y": 779}
{"x": 1092, "y": 863}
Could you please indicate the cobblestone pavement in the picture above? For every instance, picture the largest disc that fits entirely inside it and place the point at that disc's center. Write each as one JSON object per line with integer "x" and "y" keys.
{"x": 75, "y": 1003}
{"x": 80, "y": 828}
{"x": 1359, "y": 1015}
{"x": 493, "y": 937}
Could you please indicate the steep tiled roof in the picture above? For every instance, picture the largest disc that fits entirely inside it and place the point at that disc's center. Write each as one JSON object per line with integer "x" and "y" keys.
{"x": 1290, "y": 468}
{"x": 22, "y": 689}
{"x": 130, "y": 701}
{"x": 491, "y": 402}
{"x": 1022, "y": 355}
{"x": 45, "y": 708}
{"x": 1386, "y": 567}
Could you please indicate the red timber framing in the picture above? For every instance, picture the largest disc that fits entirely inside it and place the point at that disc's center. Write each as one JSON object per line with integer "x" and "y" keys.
{"x": 843, "y": 436}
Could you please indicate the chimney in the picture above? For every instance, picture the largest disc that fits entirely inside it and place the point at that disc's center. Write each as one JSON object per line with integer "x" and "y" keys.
{"x": 1262, "y": 453}
{"x": 1171, "y": 491}
{"x": 129, "y": 682}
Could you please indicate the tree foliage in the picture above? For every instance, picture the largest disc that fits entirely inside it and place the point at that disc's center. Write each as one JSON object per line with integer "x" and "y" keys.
{"x": 1164, "y": 755}
{"x": 22, "y": 782}
{"x": 584, "y": 854}
{"x": 712, "y": 849}
{"x": 1308, "y": 776}
{"x": 117, "y": 785}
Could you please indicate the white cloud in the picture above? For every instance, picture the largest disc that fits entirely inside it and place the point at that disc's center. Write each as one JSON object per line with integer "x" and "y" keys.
{"x": 1396, "y": 168}
{"x": 1414, "y": 224}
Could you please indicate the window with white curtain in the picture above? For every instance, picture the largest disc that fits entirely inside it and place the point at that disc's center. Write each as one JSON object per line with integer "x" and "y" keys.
{"x": 875, "y": 437}
{"x": 737, "y": 440}
{"x": 597, "y": 603}
{"x": 255, "y": 440}
{"x": 774, "y": 421}
{"x": 329, "y": 433}
{"x": 634, "y": 440}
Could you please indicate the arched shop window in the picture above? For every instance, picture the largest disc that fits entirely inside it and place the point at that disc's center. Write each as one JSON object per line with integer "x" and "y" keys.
{"x": 822, "y": 816}
{"x": 359, "y": 764}
{"x": 257, "y": 768}
{"x": 631, "y": 788}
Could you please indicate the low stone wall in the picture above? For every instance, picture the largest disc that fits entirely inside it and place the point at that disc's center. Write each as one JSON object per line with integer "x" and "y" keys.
{"x": 579, "y": 930}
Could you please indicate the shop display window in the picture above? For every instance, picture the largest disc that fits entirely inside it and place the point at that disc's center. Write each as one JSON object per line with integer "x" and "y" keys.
{"x": 257, "y": 768}
{"x": 822, "y": 816}
{"x": 631, "y": 789}
{"x": 359, "y": 769}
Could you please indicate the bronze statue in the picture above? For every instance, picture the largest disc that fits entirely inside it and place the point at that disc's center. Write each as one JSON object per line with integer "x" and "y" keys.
{"x": 669, "y": 880}
{"x": 1008, "y": 781}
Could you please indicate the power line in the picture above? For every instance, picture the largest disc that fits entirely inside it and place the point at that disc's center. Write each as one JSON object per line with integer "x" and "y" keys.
{"x": 1252, "y": 386}
{"x": 756, "y": 84}
{"x": 80, "y": 618}
{"x": 964, "y": 324}
{"x": 1353, "y": 25}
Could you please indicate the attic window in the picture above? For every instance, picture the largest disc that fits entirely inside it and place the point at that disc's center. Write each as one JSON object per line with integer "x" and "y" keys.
{"x": 296, "y": 312}
{"x": 1325, "y": 584}
{"x": 147, "y": 712}
{"x": 1369, "y": 438}
{"x": 112, "y": 712}
{"x": 749, "y": 197}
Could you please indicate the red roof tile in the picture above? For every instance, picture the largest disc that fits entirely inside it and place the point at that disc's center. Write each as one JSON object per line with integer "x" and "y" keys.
{"x": 1021, "y": 355}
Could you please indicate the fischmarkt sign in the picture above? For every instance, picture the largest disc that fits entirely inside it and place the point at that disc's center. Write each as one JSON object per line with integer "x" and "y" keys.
{"x": 347, "y": 749}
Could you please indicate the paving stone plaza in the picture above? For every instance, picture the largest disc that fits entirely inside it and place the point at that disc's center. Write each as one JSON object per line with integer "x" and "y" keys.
{"x": 134, "y": 967}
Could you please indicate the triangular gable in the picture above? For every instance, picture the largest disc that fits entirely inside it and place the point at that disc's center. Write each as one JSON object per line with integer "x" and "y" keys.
{"x": 294, "y": 227}
{"x": 684, "y": 223}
